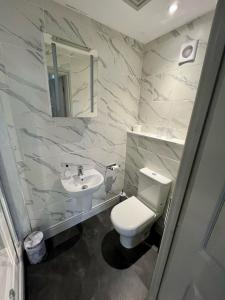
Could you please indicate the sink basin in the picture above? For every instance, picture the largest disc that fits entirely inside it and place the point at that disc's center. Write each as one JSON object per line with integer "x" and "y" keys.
{"x": 83, "y": 187}
{"x": 89, "y": 183}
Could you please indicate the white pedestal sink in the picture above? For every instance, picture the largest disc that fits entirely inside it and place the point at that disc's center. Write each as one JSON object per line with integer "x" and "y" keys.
{"x": 83, "y": 187}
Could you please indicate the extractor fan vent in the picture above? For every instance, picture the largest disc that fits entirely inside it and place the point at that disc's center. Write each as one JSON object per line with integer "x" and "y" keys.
{"x": 137, "y": 4}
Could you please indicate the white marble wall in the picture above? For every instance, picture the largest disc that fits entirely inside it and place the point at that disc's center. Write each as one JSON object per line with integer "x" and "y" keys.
{"x": 10, "y": 181}
{"x": 46, "y": 143}
{"x": 156, "y": 154}
{"x": 168, "y": 91}
{"x": 41, "y": 144}
{"x": 167, "y": 97}
{"x": 10, "y": 154}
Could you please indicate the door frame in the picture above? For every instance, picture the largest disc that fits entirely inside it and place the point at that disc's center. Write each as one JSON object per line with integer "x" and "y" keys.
{"x": 13, "y": 279}
{"x": 204, "y": 98}
{"x": 6, "y": 233}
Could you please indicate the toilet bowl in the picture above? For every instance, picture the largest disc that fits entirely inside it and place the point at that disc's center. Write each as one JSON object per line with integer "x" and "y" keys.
{"x": 132, "y": 220}
{"x": 134, "y": 217}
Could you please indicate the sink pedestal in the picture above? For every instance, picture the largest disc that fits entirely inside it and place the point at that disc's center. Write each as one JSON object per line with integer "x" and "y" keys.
{"x": 85, "y": 202}
{"x": 82, "y": 190}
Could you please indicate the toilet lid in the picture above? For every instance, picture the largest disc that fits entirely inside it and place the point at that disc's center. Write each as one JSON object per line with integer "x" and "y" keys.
{"x": 131, "y": 214}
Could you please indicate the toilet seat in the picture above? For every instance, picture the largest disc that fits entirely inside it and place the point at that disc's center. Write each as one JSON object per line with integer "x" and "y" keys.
{"x": 130, "y": 216}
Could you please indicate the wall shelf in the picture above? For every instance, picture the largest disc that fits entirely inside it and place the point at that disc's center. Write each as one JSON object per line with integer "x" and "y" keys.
{"x": 149, "y": 135}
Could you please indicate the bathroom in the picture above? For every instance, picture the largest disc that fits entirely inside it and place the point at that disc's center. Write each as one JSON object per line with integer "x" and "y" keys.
{"x": 128, "y": 119}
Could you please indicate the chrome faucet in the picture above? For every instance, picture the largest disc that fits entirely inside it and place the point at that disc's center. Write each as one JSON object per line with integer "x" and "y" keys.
{"x": 80, "y": 171}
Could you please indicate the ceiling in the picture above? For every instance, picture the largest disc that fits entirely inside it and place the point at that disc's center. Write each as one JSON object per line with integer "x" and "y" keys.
{"x": 146, "y": 24}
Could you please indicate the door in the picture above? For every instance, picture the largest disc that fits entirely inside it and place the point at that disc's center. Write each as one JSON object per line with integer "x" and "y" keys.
{"x": 195, "y": 269}
{"x": 8, "y": 258}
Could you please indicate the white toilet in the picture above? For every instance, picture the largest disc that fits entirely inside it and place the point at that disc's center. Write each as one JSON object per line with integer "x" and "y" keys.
{"x": 133, "y": 218}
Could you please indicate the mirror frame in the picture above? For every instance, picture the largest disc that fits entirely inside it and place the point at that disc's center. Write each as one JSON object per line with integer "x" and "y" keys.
{"x": 53, "y": 41}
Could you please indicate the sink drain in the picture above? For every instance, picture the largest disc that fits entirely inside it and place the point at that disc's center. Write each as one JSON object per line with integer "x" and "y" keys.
{"x": 84, "y": 187}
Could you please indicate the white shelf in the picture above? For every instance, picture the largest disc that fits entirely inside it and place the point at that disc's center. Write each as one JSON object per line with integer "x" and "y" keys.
{"x": 146, "y": 134}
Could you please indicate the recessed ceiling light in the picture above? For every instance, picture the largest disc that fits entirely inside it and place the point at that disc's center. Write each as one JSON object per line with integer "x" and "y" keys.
{"x": 173, "y": 8}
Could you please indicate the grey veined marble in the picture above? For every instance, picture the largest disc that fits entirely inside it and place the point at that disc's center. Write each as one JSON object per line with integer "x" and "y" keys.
{"x": 156, "y": 154}
{"x": 160, "y": 95}
{"x": 167, "y": 90}
{"x": 41, "y": 144}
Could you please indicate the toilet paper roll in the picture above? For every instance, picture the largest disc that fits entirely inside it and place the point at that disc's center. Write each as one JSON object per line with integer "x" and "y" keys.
{"x": 110, "y": 177}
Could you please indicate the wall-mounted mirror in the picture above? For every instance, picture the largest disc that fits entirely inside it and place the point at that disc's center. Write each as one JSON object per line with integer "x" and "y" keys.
{"x": 72, "y": 78}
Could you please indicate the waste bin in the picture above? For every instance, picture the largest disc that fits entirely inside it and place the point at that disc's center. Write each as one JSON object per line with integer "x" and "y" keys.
{"x": 34, "y": 245}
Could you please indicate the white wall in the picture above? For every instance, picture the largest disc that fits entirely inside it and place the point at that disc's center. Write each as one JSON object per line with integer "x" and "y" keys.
{"x": 9, "y": 173}
{"x": 168, "y": 90}
{"x": 167, "y": 98}
{"x": 156, "y": 154}
{"x": 44, "y": 142}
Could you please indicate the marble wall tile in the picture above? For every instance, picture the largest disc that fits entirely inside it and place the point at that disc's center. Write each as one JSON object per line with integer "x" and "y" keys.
{"x": 162, "y": 148}
{"x": 164, "y": 98}
{"x": 3, "y": 78}
{"x": 20, "y": 24}
{"x": 158, "y": 155}
{"x": 167, "y": 90}
{"x": 44, "y": 143}
{"x": 11, "y": 182}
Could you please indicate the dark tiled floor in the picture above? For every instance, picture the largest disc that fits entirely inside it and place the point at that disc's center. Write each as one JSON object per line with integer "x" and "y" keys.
{"x": 76, "y": 269}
